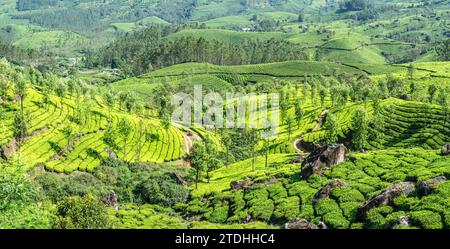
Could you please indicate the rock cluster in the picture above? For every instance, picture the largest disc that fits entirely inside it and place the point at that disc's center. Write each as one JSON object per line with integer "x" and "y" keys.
{"x": 322, "y": 159}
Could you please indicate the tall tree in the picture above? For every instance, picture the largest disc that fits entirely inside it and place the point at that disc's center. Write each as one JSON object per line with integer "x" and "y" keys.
{"x": 331, "y": 128}
{"x": 298, "y": 113}
{"x": 360, "y": 127}
{"x": 125, "y": 129}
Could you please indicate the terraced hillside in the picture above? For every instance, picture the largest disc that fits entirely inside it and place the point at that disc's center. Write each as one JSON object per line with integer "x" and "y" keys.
{"x": 76, "y": 132}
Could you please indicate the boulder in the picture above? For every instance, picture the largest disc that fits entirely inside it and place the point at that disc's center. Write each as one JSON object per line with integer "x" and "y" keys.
{"x": 237, "y": 185}
{"x": 111, "y": 200}
{"x": 111, "y": 154}
{"x": 9, "y": 149}
{"x": 403, "y": 221}
{"x": 322, "y": 159}
{"x": 446, "y": 150}
{"x": 300, "y": 224}
{"x": 326, "y": 190}
{"x": 427, "y": 187}
{"x": 386, "y": 197}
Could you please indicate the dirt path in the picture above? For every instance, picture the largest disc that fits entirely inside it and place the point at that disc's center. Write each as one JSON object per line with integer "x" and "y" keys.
{"x": 319, "y": 124}
{"x": 189, "y": 138}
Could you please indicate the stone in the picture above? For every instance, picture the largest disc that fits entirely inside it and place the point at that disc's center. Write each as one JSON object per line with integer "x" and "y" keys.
{"x": 111, "y": 154}
{"x": 322, "y": 159}
{"x": 300, "y": 224}
{"x": 404, "y": 221}
{"x": 386, "y": 197}
{"x": 111, "y": 200}
{"x": 9, "y": 149}
{"x": 327, "y": 189}
{"x": 245, "y": 184}
{"x": 427, "y": 187}
{"x": 446, "y": 150}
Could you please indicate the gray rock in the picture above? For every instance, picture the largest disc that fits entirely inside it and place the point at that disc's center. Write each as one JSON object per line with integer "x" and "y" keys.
{"x": 446, "y": 150}
{"x": 322, "y": 159}
{"x": 427, "y": 187}
{"x": 327, "y": 189}
{"x": 245, "y": 184}
{"x": 300, "y": 224}
{"x": 111, "y": 200}
{"x": 386, "y": 197}
{"x": 9, "y": 149}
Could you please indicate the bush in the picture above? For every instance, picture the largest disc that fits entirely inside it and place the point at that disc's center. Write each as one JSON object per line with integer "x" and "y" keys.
{"x": 326, "y": 206}
{"x": 262, "y": 210}
{"x": 349, "y": 209}
{"x": 81, "y": 213}
{"x": 426, "y": 219}
{"x": 287, "y": 209}
{"x": 219, "y": 213}
{"x": 405, "y": 203}
{"x": 162, "y": 190}
{"x": 376, "y": 217}
{"x": 335, "y": 220}
{"x": 347, "y": 195}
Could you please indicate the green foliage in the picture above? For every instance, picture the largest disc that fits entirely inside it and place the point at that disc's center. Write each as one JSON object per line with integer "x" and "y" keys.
{"x": 426, "y": 219}
{"x": 82, "y": 213}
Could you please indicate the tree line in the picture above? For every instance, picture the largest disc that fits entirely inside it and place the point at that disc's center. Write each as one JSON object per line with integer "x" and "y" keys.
{"x": 143, "y": 51}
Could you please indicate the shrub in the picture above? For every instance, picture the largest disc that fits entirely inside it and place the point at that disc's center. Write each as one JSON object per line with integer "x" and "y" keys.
{"x": 426, "y": 219}
{"x": 81, "y": 213}
{"x": 277, "y": 192}
{"x": 162, "y": 190}
{"x": 405, "y": 203}
{"x": 376, "y": 217}
{"x": 287, "y": 209}
{"x": 335, "y": 220}
{"x": 349, "y": 209}
{"x": 262, "y": 210}
{"x": 325, "y": 206}
{"x": 219, "y": 213}
{"x": 347, "y": 195}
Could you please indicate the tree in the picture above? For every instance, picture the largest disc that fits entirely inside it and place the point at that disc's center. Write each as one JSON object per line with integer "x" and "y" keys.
{"x": 360, "y": 129}
{"x": 301, "y": 17}
{"x": 20, "y": 90}
{"x": 322, "y": 94}
{"x": 331, "y": 128}
{"x": 298, "y": 113}
{"x": 125, "y": 129}
{"x": 61, "y": 91}
{"x": 82, "y": 213}
{"x": 20, "y": 130}
{"x": 432, "y": 89}
{"x": 443, "y": 50}
{"x": 110, "y": 101}
{"x": 198, "y": 158}
{"x": 289, "y": 121}
{"x": 166, "y": 121}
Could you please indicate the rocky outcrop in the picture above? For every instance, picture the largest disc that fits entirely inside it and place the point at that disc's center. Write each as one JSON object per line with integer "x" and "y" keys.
{"x": 322, "y": 159}
{"x": 300, "y": 224}
{"x": 327, "y": 189}
{"x": 386, "y": 197}
{"x": 403, "y": 221}
{"x": 245, "y": 184}
{"x": 9, "y": 149}
{"x": 446, "y": 150}
{"x": 111, "y": 154}
{"x": 427, "y": 187}
{"x": 111, "y": 200}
